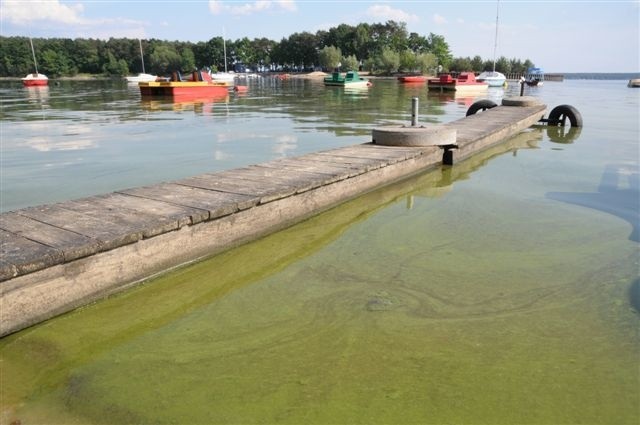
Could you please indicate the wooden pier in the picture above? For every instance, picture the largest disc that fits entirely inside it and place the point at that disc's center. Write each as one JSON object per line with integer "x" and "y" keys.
{"x": 61, "y": 256}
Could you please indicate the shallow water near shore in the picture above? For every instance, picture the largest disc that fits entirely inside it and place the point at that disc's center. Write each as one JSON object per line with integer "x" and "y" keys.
{"x": 496, "y": 291}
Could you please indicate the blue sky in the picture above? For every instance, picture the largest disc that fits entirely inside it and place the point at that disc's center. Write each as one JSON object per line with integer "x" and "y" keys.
{"x": 559, "y": 36}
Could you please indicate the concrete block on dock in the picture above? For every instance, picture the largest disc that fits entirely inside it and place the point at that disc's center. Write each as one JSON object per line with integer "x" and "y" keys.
{"x": 433, "y": 135}
{"x": 521, "y": 101}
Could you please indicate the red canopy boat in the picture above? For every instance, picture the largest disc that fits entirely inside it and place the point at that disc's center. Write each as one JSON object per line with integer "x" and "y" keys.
{"x": 464, "y": 81}
{"x": 412, "y": 79}
{"x": 201, "y": 85}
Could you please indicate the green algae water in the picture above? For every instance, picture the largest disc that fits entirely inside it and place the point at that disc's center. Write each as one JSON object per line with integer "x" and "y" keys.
{"x": 501, "y": 290}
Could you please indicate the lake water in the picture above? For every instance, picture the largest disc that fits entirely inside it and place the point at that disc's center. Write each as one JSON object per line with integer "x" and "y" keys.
{"x": 502, "y": 290}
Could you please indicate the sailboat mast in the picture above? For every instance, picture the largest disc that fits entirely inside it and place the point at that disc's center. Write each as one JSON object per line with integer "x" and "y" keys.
{"x": 224, "y": 49}
{"x": 33, "y": 52}
{"x": 141, "y": 56}
{"x": 495, "y": 43}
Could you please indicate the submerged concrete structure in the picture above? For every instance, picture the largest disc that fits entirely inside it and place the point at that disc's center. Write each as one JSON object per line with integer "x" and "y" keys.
{"x": 61, "y": 256}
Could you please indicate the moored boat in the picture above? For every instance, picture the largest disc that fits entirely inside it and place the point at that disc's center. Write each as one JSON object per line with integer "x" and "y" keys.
{"x": 534, "y": 74}
{"x": 350, "y": 79}
{"x": 143, "y": 76}
{"x": 35, "y": 79}
{"x": 634, "y": 82}
{"x": 201, "y": 85}
{"x": 533, "y": 82}
{"x": 223, "y": 76}
{"x": 464, "y": 81}
{"x": 412, "y": 79}
{"x": 492, "y": 78}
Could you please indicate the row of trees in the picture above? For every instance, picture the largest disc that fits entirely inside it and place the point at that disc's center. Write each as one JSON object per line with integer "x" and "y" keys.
{"x": 383, "y": 48}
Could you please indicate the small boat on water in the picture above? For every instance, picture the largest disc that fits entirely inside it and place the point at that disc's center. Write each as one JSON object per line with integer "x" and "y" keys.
{"x": 350, "y": 79}
{"x": 635, "y": 82}
{"x": 534, "y": 74}
{"x": 223, "y": 76}
{"x": 534, "y": 82}
{"x": 465, "y": 81}
{"x": 412, "y": 79}
{"x": 35, "y": 79}
{"x": 492, "y": 78}
{"x": 143, "y": 76}
{"x": 199, "y": 86}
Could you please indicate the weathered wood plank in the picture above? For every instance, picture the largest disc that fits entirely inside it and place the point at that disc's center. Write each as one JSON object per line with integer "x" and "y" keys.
{"x": 265, "y": 190}
{"x": 7, "y": 270}
{"x": 21, "y": 255}
{"x": 129, "y": 220}
{"x": 484, "y": 124}
{"x": 109, "y": 234}
{"x": 72, "y": 245}
{"x": 367, "y": 164}
{"x": 390, "y": 154}
{"x": 480, "y": 131}
{"x": 299, "y": 179}
{"x": 317, "y": 172}
{"x": 213, "y": 203}
{"x": 166, "y": 211}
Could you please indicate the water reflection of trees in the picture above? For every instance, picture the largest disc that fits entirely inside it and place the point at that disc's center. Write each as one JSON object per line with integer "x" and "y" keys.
{"x": 343, "y": 111}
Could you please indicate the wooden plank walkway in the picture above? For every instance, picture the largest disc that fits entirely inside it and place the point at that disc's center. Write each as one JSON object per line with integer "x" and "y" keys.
{"x": 113, "y": 240}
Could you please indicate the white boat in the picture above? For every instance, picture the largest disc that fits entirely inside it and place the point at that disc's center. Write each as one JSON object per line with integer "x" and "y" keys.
{"x": 142, "y": 77}
{"x": 493, "y": 78}
{"x": 634, "y": 82}
{"x": 223, "y": 76}
{"x": 35, "y": 79}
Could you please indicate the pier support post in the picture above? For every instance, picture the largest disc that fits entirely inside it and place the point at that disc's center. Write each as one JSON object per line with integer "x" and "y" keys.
{"x": 414, "y": 111}
{"x": 447, "y": 157}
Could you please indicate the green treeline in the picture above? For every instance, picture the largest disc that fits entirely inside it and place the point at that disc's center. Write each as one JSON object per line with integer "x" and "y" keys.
{"x": 379, "y": 48}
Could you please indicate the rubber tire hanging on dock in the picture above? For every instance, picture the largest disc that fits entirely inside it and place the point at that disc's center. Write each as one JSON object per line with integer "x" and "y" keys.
{"x": 560, "y": 113}
{"x": 481, "y": 105}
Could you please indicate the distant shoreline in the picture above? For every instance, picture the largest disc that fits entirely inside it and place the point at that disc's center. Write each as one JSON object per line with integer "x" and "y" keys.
{"x": 312, "y": 75}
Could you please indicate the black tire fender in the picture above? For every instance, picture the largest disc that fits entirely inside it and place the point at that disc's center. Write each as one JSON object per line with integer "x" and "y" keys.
{"x": 481, "y": 105}
{"x": 560, "y": 113}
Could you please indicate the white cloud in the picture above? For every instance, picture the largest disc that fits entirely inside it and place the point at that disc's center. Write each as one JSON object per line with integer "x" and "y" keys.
{"x": 22, "y": 12}
{"x": 217, "y": 7}
{"x": 439, "y": 20}
{"x": 389, "y": 13}
{"x": 249, "y": 8}
{"x": 67, "y": 20}
{"x": 289, "y": 5}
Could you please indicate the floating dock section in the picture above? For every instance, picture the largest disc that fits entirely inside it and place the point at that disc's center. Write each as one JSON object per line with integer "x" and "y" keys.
{"x": 62, "y": 256}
